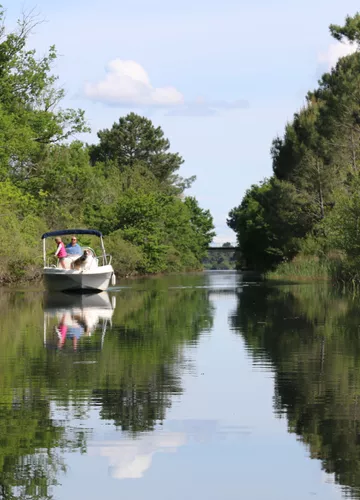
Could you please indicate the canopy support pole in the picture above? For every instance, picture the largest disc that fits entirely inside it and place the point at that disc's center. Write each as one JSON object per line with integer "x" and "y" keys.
{"x": 103, "y": 250}
{"x": 44, "y": 251}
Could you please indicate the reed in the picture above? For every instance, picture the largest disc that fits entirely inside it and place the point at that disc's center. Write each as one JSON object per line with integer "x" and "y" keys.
{"x": 302, "y": 268}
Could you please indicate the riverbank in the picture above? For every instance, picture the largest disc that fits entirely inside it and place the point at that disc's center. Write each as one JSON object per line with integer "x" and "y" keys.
{"x": 35, "y": 276}
{"x": 302, "y": 268}
{"x": 335, "y": 268}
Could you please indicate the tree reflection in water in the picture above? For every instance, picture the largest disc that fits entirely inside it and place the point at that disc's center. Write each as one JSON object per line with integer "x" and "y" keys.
{"x": 310, "y": 334}
{"x": 129, "y": 374}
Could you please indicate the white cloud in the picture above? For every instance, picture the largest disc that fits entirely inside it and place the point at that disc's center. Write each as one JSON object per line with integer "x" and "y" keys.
{"x": 334, "y": 52}
{"x": 130, "y": 459}
{"x": 127, "y": 83}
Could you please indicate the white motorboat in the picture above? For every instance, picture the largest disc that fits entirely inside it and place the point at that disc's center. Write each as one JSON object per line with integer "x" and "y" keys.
{"x": 96, "y": 274}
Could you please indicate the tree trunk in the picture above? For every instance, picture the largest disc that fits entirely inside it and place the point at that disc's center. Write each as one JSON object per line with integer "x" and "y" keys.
{"x": 353, "y": 152}
{"x": 321, "y": 197}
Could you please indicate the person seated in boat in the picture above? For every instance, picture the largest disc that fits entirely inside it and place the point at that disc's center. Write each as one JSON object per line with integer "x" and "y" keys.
{"x": 60, "y": 252}
{"x": 73, "y": 248}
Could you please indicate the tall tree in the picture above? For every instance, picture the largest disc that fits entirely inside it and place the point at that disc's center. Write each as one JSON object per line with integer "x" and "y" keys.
{"x": 350, "y": 31}
{"x": 317, "y": 162}
{"x": 30, "y": 116}
{"x": 302, "y": 158}
{"x": 269, "y": 223}
{"x": 135, "y": 140}
{"x": 339, "y": 122}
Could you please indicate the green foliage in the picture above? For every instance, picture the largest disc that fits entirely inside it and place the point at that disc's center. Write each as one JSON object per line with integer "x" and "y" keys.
{"x": 220, "y": 259}
{"x": 20, "y": 231}
{"x": 135, "y": 140}
{"x": 165, "y": 229}
{"x": 65, "y": 181}
{"x": 202, "y": 226}
{"x": 302, "y": 267}
{"x": 127, "y": 185}
{"x": 342, "y": 226}
{"x": 126, "y": 257}
{"x": 30, "y": 118}
{"x": 310, "y": 204}
{"x": 350, "y": 31}
{"x": 268, "y": 225}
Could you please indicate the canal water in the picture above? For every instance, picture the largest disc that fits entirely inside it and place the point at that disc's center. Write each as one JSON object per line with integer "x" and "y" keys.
{"x": 205, "y": 386}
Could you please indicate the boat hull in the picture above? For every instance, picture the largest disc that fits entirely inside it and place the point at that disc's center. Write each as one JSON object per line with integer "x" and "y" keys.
{"x": 61, "y": 280}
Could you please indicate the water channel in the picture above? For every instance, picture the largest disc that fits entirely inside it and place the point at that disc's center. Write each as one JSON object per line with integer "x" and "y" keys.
{"x": 201, "y": 386}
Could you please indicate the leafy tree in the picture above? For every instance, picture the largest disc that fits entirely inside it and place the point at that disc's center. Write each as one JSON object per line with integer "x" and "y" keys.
{"x": 218, "y": 259}
{"x": 135, "y": 140}
{"x": 64, "y": 179}
{"x": 30, "y": 118}
{"x": 318, "y": 159}
{"x": 340, "y": 115}
{"x": 268, "y": 225}
{"x": 302, "y": 158}
{"x": 171, "y": 234}
{"x": 202, "y": 225}
{"x": 128, "y": 185}
{"x": 350, "y": 31}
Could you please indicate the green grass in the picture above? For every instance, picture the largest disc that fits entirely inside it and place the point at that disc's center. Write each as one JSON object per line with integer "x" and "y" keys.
{"x": 301, "y": 268}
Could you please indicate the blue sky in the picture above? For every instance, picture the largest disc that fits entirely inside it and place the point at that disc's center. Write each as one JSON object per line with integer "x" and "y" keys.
{"x": 221, "y": 78}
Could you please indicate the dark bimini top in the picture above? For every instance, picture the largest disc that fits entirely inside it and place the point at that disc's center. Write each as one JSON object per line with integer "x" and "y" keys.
{"x": 71, "y": 231}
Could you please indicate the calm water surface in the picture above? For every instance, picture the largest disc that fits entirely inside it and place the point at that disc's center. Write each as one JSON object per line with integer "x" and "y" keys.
{"x": 200, "y": 387}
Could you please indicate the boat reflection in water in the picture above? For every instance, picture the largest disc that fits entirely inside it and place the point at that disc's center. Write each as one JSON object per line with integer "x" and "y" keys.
{"x": 78, "y": 322}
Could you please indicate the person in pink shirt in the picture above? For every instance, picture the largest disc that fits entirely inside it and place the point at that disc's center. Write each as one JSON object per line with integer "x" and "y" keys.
{"x": 60, "y": 252}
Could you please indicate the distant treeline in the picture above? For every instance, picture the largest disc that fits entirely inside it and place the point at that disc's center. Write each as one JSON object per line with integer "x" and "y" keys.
{"x": 218, "y": 258}
{"x": 126, "y": 185}
{"x": 305, "y": 219}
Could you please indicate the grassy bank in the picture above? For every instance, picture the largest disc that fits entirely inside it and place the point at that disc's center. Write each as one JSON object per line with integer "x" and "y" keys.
{"x": 336, "y": 267}
{"x": 302, "y": 268}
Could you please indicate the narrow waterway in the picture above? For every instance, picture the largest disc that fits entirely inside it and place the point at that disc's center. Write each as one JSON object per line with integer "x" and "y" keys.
{"x": 203, "y": 386}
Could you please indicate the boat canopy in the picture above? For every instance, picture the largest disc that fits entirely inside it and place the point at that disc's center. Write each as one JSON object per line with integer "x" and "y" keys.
{"x": 71, "y": 231}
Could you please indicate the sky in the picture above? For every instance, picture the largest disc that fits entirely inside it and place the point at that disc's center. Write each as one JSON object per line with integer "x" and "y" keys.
{"x": 220, "y": 78}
